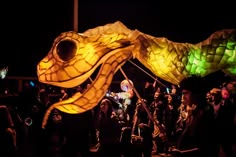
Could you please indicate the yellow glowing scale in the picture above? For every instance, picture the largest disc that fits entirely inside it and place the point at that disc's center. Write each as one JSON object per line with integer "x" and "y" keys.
{"x": 75, "y": 56}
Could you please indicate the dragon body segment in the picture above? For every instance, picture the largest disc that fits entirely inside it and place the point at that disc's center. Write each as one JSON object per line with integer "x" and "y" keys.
{"x": 74, "y": 57}
{"x": 174, "y": 61}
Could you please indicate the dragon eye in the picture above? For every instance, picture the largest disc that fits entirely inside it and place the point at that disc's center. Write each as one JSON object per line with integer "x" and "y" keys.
{"x": 66, "y": 50}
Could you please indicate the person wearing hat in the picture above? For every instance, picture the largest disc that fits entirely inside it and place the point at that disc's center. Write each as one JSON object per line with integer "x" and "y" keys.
{"x": 197, "y": 138}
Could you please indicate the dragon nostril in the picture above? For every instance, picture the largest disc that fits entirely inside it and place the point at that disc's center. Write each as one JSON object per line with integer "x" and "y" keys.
{"x": 66, "y": 50}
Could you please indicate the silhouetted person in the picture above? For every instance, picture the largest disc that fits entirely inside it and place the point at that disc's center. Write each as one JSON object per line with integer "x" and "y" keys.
{"x": 197, "y": 138}
{"x": 109, "y": 130}
{"x": 225, "y": 123}
{"x": 141, "y": 132}
{"x": 7, "y": 133}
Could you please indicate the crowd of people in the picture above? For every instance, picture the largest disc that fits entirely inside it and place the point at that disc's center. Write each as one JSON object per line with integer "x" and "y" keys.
{"x": 189, "y": 120}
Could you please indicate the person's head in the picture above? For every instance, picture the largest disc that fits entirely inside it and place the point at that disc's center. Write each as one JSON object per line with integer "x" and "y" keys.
{"x": 158, "y": 96}
{"x": 231, "y": 87}
{"x": 194, "y": 90}
{"x": 173, "y": 91}
{"x": 106, "y": 106}
{"x": 140, "y": 104}
{"x": 225, "y": 93}
{"x": 169, "y": 99}
{"x": 215, "y": 96}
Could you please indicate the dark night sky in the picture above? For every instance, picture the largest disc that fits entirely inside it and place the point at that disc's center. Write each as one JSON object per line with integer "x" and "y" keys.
{"x": 29, "y": 28}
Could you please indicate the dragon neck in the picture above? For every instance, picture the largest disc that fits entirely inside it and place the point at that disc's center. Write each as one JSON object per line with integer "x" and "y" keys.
{"x": 161, "y": 56}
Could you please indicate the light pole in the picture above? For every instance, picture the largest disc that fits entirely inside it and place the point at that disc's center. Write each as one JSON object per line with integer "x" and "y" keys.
{"x": 75, "y": 21}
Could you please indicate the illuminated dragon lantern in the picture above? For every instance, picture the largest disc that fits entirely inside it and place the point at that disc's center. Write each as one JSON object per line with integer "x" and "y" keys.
{"x": 74, "y": 57}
